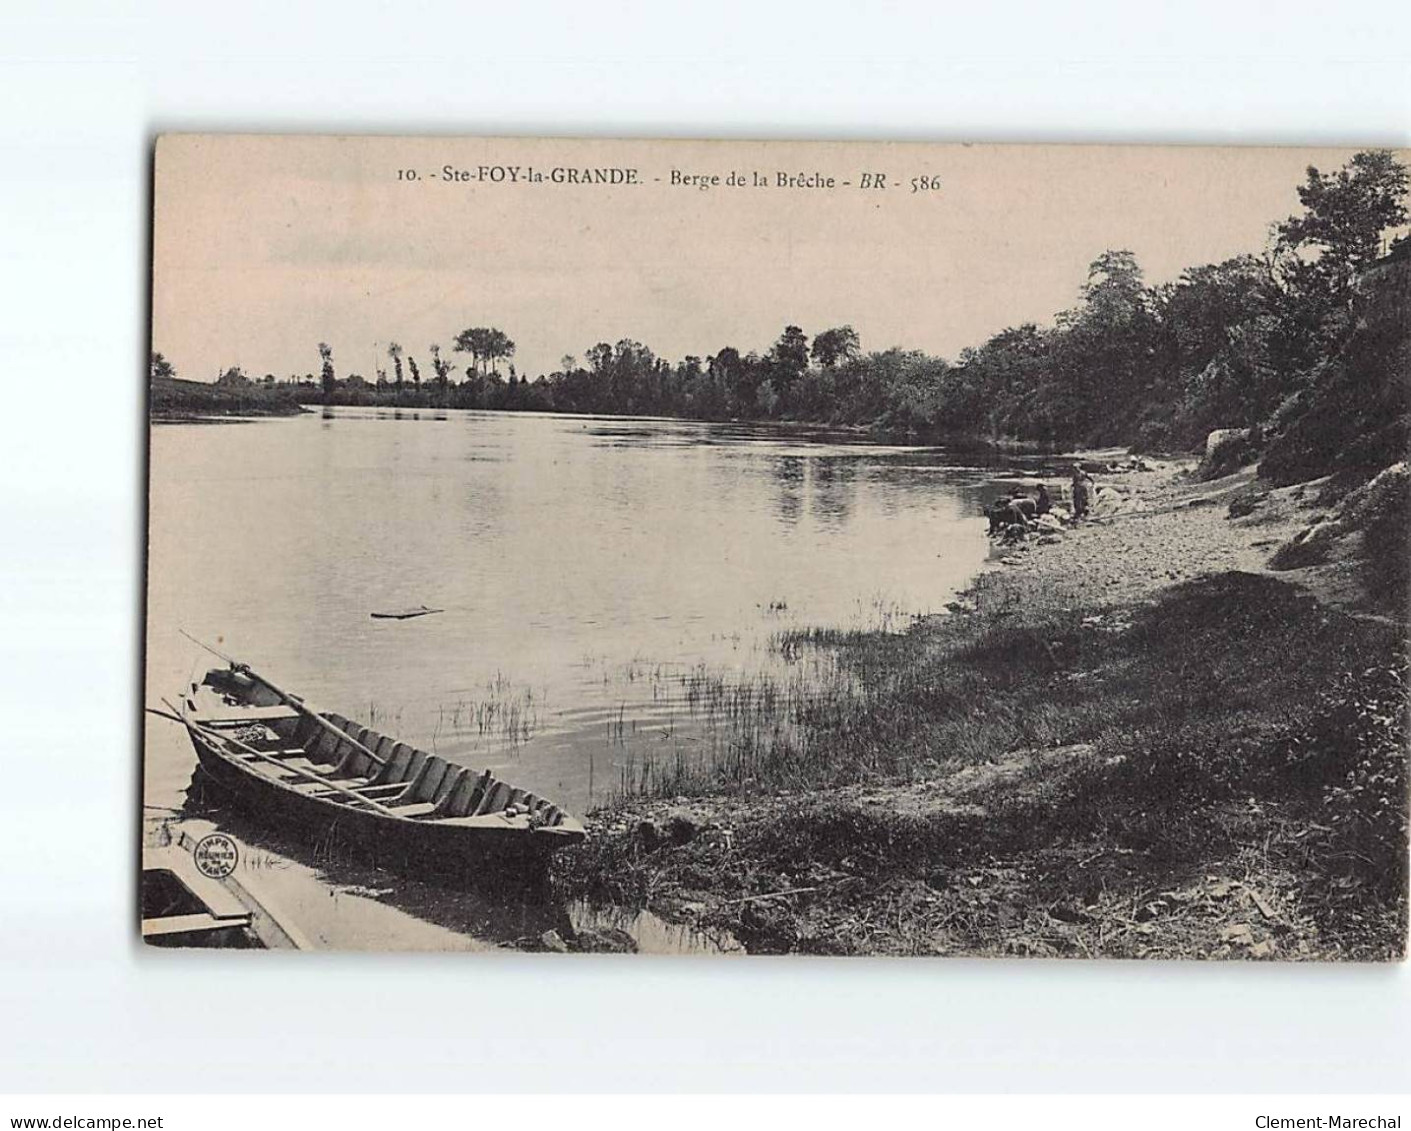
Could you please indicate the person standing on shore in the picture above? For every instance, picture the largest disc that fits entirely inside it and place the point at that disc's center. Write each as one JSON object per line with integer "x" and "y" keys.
{"x": 1082, "y": 492}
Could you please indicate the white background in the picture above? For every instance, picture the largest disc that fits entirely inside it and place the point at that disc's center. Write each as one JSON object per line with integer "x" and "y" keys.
{"x": 84, "y": 88}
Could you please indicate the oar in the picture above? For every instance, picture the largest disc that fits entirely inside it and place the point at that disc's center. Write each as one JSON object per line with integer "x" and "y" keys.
{"x": 299, "y": 705}
{"x": 289, "y": 697}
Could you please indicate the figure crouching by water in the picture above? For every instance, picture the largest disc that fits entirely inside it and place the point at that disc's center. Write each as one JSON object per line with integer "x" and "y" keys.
{"x": 1044, "y": 503}
{"x": 1009, "y": 513}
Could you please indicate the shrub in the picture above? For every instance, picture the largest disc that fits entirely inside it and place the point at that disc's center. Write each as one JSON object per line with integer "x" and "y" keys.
{"x": 1354, "y": 753}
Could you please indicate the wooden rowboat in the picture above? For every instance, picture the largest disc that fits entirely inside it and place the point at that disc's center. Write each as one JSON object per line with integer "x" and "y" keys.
{"x": 316, "y": 773}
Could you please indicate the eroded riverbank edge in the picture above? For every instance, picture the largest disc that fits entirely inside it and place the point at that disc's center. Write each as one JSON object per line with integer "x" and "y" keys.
{"x": 1154, "y": 724}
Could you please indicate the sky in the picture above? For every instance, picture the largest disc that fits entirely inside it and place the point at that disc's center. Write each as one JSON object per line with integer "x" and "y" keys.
{"x": 265, "y": 246}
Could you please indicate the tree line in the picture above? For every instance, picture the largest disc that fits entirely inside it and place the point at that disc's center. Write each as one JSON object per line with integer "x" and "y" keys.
{"x": 1237, "y": 344}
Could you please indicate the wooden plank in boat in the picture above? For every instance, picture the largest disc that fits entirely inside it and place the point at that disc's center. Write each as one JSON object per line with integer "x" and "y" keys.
{"x": 379, "y": 792}
{"x": 236, "y": 716}
{"x": 420, "y": 809}
{"x": 273, "y": 772}
{"x": 281, "y": 766}
{"x": 304, "y": 764}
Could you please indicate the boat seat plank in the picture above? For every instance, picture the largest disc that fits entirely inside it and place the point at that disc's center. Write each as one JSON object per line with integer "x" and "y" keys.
{"x": 295, "y": 762}
{"x": 269, "y": 769}
{"x": 237, "y": 716}
{"x": 420, "y": 809}
{"x": 356, "y": 801}
{"x": 284, "y": 764}
{"x": 290, "y": 771}
{"x": 318, "y": 788}
{"x": 379, "y": 792}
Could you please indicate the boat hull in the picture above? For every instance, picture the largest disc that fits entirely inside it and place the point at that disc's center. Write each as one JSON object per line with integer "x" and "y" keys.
{"x": 347, "y": 788}
{"x": 484, "y": 858}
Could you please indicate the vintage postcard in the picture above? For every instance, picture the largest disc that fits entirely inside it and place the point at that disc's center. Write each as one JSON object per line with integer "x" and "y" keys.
{"x": 758, "y": 548}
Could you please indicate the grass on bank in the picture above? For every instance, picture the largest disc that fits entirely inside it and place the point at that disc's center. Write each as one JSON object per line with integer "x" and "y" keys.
{"x": 1243, "y": 739}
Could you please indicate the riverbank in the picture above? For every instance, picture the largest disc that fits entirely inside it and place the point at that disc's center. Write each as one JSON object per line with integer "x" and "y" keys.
{"x": 174, "y": 401}
{"x": 1129, "y": 739}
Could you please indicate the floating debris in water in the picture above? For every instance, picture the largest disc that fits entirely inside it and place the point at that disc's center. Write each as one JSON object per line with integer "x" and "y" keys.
{"x": 405, "y": 614}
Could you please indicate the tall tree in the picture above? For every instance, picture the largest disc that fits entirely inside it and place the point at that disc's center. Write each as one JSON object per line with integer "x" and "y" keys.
{"x": 472, "y": 341}
{"x": 330, "y": 383}
{"x": 599, "y": 358}
{"x": 1319, "y": 253}
{"x": 498, "y": 346}
{"x": 1101, "y": 364}
{"x": 486, "y": 345}
{"x": 394, "y": 351}
{"x": 739, "y": 380}
{"x": 788, "y": 359}
{"x": 1344, "y": 216}
{"x": 441, "y": 366}
{"x": 836, "y": 345}
{"x": 1114, "y": 293}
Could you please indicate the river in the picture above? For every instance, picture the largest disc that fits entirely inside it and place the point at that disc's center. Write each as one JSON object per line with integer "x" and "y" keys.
{"x": 594, "y": 574}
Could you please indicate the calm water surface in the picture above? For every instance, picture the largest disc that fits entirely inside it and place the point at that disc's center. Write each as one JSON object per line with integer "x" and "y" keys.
{"x": 589, "y": 569}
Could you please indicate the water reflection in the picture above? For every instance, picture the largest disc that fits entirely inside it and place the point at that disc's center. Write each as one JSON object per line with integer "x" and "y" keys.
{"x": 834, "y": 485}
{"x": 789, "y": 477}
